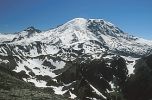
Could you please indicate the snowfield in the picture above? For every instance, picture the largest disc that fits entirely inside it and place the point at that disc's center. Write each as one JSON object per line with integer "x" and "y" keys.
{"x": 46, "y": 52}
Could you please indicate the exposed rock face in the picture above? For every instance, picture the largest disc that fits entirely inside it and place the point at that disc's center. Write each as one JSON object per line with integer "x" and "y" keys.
{"x": 13, "y": 88}
{"x": 139, "y": 85}
{"x": 85, "y": 79}
{"x": 81, "y": 59}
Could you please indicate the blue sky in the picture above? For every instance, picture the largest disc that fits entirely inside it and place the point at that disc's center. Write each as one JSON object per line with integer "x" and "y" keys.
{"x": 132, "y": 16}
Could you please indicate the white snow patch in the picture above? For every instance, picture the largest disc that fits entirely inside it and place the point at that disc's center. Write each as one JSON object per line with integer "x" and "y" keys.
{"x": 112, "y": 85}
{"x": 38, "y": 83}
{"x": 36, "y": 66}
{"x": 58, "y": 90}
{"x": 97, "y": 92}
{"x": 6, "y": 37}
{"x": 130, "y": 63}
{"x": 4, "y": 61}
{"x": 58, "y": 64}
{"x": 73, "y": 96}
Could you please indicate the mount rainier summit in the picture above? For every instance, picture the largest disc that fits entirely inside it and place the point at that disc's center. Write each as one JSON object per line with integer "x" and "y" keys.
{"x": 83, "y": 59}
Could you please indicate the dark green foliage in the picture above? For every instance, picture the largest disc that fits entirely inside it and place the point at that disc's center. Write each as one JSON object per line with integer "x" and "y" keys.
{"x": 39, "y": 77}
{"x": 68, "y": 73}
{"x": 48, "y": 64}
{"x": 32, "y": 73}
{"x": 84, "y": 90}
{"x": 51, "y": 83}
{"x": 119, "y": 70}
{"x": 11, "y": 61}
{"x": 22, "y": 74}
{"x": 139, "y": 85}
{"x": 97, "y": 72}
{"x": 12, "y": 88}
{"x": 27, "y": 68}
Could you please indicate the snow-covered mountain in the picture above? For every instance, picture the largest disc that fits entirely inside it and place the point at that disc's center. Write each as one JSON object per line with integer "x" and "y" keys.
{"x": 49, "y": 55}
{"x": 92, "y": 35}
{"x": 6, "y": 37}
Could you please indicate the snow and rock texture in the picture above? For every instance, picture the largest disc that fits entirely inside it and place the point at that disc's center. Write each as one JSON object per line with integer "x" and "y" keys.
{"x": 90, "y": 36}
{"x": 6, "y": 37}
{"x": 46, "y": 57}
